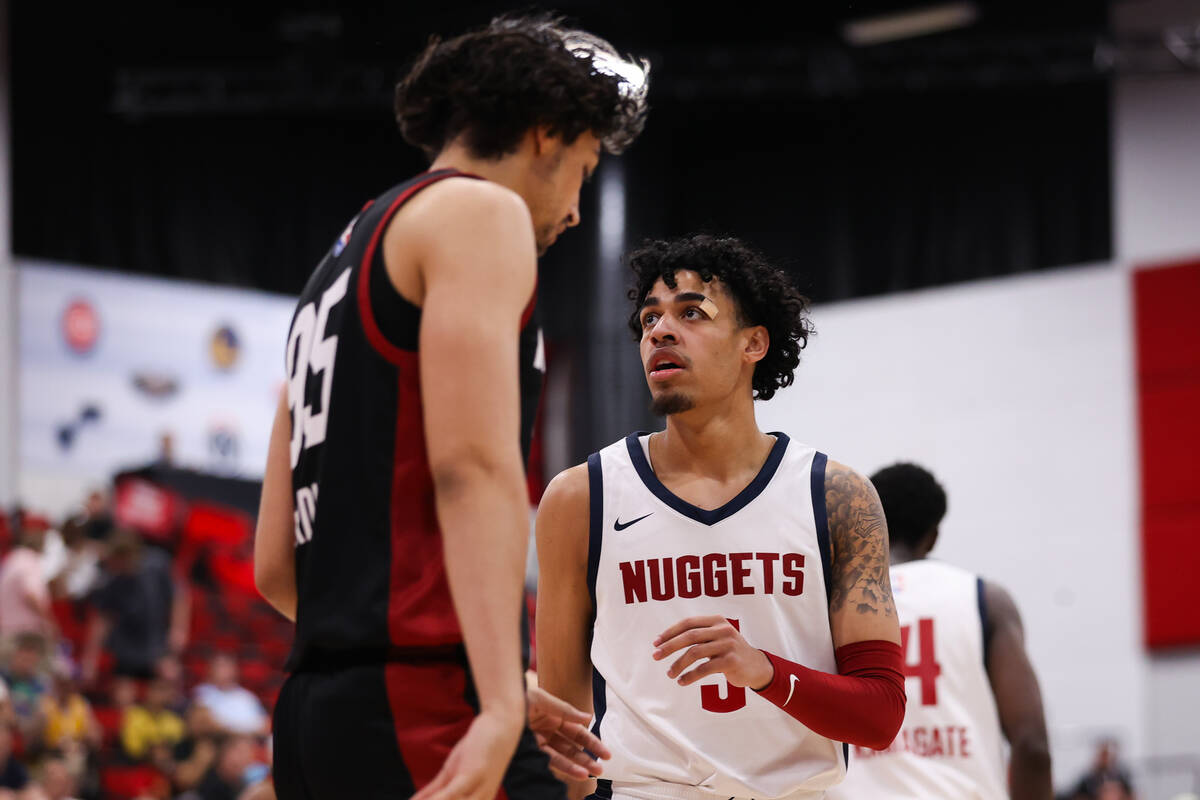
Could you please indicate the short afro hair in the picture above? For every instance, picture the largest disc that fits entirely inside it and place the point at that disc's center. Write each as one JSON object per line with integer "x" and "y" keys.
{"x": 764, "y": 294}
{"x": 913, "y": 502}
{"x": 490, "y": 86}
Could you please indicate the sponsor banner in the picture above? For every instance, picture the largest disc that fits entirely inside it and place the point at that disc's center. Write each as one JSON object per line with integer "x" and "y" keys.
{"x": 116, "y": 369}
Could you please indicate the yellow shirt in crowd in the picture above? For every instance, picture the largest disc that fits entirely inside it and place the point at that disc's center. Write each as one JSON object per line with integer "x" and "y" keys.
{"x": 142, "y": 729}
{"x": 68, "y": 721}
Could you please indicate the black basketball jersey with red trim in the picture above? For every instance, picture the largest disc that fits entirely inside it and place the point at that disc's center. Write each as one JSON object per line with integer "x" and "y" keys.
{"x": 370, "y": 579}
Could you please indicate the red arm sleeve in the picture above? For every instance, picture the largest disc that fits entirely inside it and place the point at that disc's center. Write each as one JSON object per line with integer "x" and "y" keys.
{"x": 862, "y": 705}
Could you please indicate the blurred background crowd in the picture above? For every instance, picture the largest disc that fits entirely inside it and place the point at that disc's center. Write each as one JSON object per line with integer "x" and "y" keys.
{"x": 130, "y": 668}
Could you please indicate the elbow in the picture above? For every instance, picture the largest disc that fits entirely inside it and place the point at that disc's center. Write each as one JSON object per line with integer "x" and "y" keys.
{"x": 880, "y": 738}
{"x": 883, "y": 726}
{"x": 1031, "y": 752}
{"x": 270, "y": 580}
{"x": 461, "y": 473}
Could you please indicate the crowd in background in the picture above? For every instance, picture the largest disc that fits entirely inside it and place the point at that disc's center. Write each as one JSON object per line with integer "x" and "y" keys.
{"x": 97, "y": 623}
{"x": 95, "y": 700}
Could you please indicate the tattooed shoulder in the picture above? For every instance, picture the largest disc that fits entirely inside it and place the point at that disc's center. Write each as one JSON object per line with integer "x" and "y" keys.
{"x": 859, "y": 539}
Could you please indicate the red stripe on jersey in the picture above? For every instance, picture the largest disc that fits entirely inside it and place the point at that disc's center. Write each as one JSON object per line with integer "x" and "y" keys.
{"x": 429, "y": 712}
{"x": 420, "y": 611}
{"x": 528, "y": 312}
{"x": 375, "y": 336}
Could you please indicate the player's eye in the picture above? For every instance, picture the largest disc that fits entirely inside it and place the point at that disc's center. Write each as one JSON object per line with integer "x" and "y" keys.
{"x": 648, "y": 320}
{"x": 693, "y": 312}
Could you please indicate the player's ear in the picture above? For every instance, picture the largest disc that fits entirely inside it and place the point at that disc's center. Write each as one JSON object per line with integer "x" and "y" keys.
{"x": 930, "y": 539}
{"x": 543, "y": 140}
{"x": 758, "y": 341}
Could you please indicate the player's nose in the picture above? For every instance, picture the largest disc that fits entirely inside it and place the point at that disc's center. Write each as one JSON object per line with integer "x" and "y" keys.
{"x": 572, "y": 215}
{"x": 662, "y": 331}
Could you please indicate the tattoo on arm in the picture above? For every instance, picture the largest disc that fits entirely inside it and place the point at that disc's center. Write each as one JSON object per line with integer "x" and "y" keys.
{"x": 859, "y": 539}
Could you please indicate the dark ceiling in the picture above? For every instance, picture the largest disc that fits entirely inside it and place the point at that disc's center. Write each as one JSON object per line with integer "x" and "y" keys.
{"x": 140, "y": 58}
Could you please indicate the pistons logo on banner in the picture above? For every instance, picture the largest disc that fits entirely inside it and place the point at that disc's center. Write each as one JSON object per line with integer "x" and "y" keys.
{"x": 80, "y": 326}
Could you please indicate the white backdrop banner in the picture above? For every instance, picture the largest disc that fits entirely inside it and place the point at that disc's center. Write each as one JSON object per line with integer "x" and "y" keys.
{"x": 110, "y": 363}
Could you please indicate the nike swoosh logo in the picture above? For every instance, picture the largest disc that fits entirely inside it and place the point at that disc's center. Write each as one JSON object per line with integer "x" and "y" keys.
{"x": 793, "y": 682}
{"x": 620, "y": 526}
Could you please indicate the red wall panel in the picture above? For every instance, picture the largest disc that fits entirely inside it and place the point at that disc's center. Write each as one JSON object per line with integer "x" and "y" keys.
{"x": 1167, "y": 319}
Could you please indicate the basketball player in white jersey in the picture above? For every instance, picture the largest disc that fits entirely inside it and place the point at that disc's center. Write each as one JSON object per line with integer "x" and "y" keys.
{"x": 718, "y": 595}
{"x": 970, "y": 684}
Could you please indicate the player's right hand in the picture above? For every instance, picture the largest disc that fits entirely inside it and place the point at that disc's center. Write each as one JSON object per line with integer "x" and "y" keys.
{"x": 476, "y": 765}
{"x": 562, "y": 733}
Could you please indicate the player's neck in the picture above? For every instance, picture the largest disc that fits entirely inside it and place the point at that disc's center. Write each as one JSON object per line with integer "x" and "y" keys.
{"x": 510, "y": 171}
{"x": 716, "y": 445}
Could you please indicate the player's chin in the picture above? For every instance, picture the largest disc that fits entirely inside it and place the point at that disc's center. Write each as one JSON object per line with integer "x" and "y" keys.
{"x": 666, "y": 402}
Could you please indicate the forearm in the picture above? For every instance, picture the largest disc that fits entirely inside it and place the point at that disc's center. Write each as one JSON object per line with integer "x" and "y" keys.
{"x": 274, "y": 539}
{"x": 484, "y": 523}
{"x": 1029, "y": 770}
{"x": 863, "y": 706}
{"x": 280, "y": 592}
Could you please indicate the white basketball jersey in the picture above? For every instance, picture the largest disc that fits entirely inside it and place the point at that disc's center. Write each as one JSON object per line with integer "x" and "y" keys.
{"x": 951, "y": 745}
{"x": 761, "y": 561}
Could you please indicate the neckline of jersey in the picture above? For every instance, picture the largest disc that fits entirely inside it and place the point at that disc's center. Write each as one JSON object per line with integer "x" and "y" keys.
{"x": 703, "y": 515}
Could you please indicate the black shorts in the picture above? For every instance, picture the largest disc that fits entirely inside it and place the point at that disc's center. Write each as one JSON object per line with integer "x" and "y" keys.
{"x": 384, "y": 731}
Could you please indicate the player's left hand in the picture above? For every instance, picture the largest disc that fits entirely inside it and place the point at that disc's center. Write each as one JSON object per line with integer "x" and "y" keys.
{"x": 716, "y": 639}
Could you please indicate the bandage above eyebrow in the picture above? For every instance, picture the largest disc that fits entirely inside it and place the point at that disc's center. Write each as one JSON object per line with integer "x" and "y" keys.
{"x": 710, "y": 308}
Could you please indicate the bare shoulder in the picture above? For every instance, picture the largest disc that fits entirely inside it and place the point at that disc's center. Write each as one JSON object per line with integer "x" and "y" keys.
{"x": 568, "y": 493}
{"x": 467, "y": 202}
{"x": 562, "y": 521}
{"x": 1001, "y": 608}
{"x": 452, "y": 228}
{"x": 859, "y": 539}
{"x": 851, "y": 503}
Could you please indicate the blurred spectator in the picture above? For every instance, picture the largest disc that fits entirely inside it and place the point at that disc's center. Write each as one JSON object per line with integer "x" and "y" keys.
{"x": 237, "y": 767}
{"x": 13, "y": 775}
{"x": 80, "y": 569}
{"x": 98, "y": 519}
{"x": 197, "y": 752}
{"x": 66, "y": 721}
{"x": 166, "y": 449}
{"x": 263, "y": 790}
{"x": 151, "y": 730}
{"x": 1107, "y": 779}
{"x": 170, "y": 671}
{"x": 136, "y": 608}
{"x": 57, "y": 781}
{"x": 26, "y": 684}
{"x": 7, "y": 717}
{"x": 24, "y": 589}
{"x": 234, "y": 709}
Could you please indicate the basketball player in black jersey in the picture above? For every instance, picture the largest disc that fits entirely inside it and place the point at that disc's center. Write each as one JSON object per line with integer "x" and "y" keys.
{"x": 394, "y": 517}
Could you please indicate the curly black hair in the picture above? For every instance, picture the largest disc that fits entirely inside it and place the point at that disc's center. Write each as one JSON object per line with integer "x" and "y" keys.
{"x": 764, "y": 294}
{"x": 490, "y": 86}
{"x": 913, "y": 501}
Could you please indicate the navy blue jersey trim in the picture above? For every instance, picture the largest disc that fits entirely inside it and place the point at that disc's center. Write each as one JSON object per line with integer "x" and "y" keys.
{"x": 984, "y": 622}
{"x": 595, "y": 524}
{"x": 599, "y": 700}
{"x": 603, "y": 790}
{"x": 821, "y": 517}
{"x": 595, "y": 542}
{"x": 705, "y": 516}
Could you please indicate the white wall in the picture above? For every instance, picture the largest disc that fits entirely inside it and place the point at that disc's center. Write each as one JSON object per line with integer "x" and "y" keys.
{"x": 148, "y": 331}
{"x": 1156, "y": 176}
{"x": 1156, "y": 215}
{"x": 1018, "y": 395}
